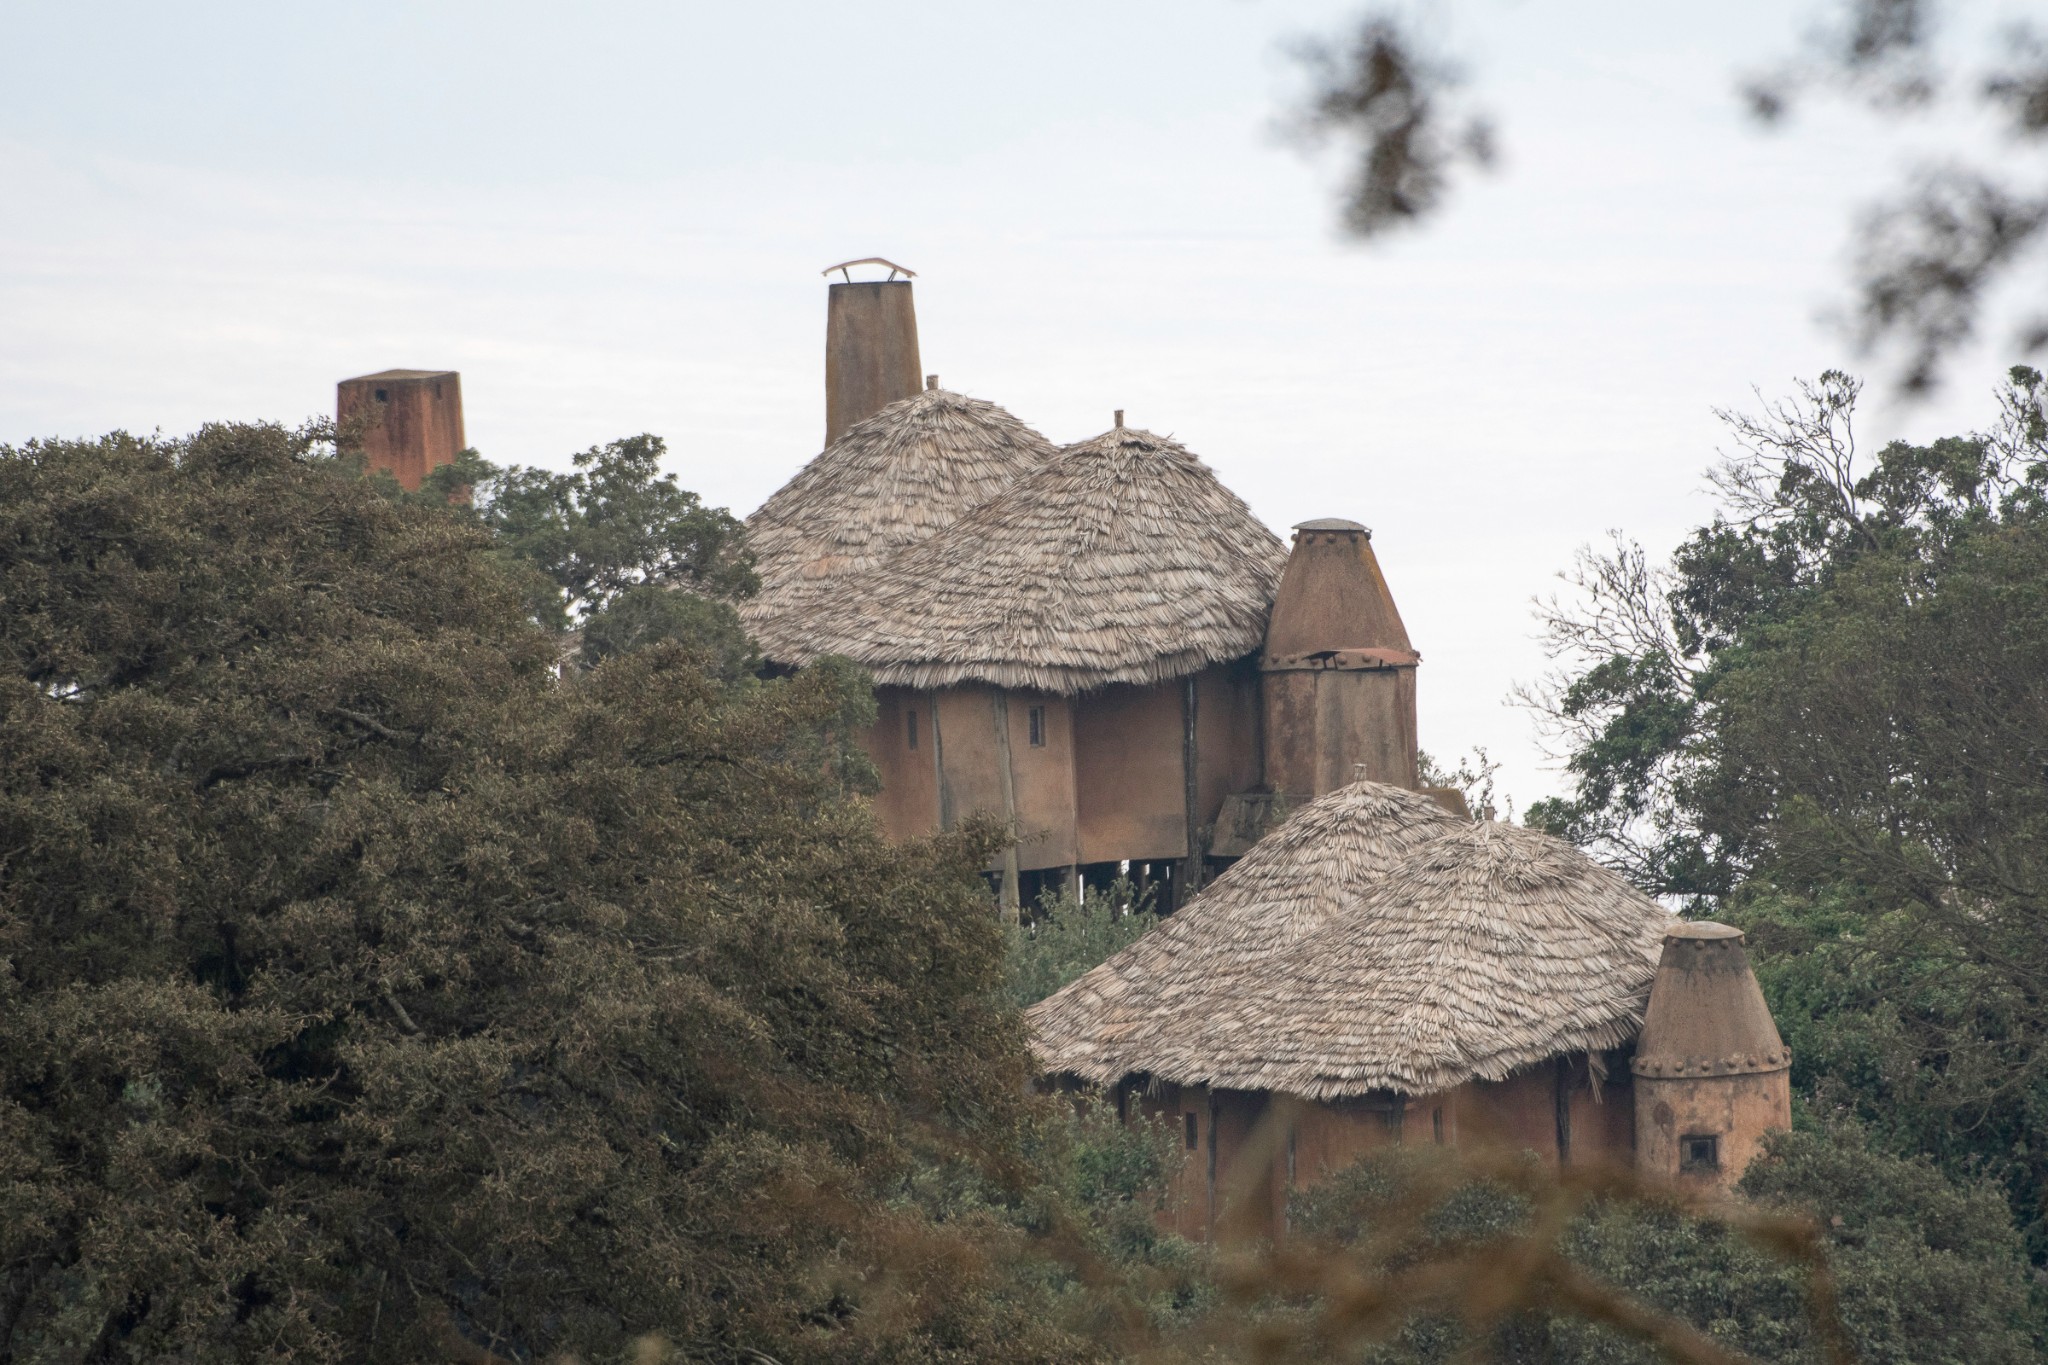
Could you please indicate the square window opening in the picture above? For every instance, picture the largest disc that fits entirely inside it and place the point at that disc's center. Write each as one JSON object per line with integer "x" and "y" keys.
{"x": 1699, "y": 1152}
{"x": 1191, "y": 1130}
{"x": 383, "y": 395}
{"x": 1038, "y": 727}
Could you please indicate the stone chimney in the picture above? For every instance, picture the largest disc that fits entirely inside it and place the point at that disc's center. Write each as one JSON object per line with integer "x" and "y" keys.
{"x": 408, "y": 420}
{"x": 871, "y": 355}
{"x": 1337, "y": 675}
{"x": 1712, "y": 1076}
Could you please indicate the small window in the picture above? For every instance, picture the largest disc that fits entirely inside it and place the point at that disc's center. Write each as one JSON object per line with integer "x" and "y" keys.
{"x": 1436, "y": 1125}
{"x": 1038, "y": 727}
{"x": 910, "y": 728}
{"x": 1191, "y": 1130}
{"x": 383, "y": 395}
{"x": 1699, "y": 1152}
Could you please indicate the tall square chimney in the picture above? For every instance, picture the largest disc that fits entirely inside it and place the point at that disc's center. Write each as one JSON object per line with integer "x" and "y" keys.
{"x": 412, "y": 419}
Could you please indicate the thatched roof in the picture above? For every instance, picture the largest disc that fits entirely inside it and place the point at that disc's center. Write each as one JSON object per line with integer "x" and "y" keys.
{"x": 1372, "y": 943}
{"x": 892, "y": 480}
{"x": 1123, "y": 560}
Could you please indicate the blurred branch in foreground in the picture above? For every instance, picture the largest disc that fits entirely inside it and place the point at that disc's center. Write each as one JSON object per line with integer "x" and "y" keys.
{"x": 1932, "y": 260}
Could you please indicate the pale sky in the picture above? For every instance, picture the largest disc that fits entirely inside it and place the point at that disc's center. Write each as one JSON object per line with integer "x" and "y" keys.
{"x": 611, "y": 218}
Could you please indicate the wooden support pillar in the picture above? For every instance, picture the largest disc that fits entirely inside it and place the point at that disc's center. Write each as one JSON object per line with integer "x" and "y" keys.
{"x": 944, "y": 794}
{"x": 1564, "y": 1110}
{"x": 1190, "y": 768}
{"x": 1215, "y": 1112}
{"x": 1012, "y": 898}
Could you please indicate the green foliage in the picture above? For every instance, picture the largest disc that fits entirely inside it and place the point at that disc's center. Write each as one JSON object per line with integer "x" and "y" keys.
{"x": 1661, "y": 663}
{"x": 590, "y": 543}
{"x": 1926, "y": 1268}
{"x": 369, "y": 992}
{"x": 1826, "y": 720}
{"x": 1064, "y": 936}
{"x": 646, "y": 614}
{"x": 1472, "y": 777}
{"x": 1107, "y": 1180}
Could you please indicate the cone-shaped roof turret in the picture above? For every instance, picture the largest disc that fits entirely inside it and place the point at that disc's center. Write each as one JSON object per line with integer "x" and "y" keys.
{"x": 1707, "y": 1014}
{"x": 1334, "y": 597}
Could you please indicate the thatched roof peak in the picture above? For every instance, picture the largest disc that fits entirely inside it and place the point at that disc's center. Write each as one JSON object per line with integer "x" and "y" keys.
{"x": 892, "y": 480}
{"x": 1327, "y": 856}
{"x": 1370, "y": 946}
{"x": 1124, "y": 560}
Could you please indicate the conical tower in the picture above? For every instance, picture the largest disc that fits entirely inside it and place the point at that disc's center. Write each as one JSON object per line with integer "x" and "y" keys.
{"x": 1337, "y": 671}
{"x": 1712, "y": 1076}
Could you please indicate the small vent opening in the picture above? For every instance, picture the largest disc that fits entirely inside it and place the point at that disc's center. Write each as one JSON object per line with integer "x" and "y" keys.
{"x": 1699, "y": 1152}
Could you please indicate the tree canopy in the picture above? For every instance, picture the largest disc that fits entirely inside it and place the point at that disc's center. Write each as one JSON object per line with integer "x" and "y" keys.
{"x": 1825, "y": 718}
{"x": 368, "y": 991}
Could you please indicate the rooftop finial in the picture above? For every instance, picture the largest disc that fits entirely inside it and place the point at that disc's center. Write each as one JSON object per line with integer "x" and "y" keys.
{"x": 931, "y": 381}
{"x": 1119, "y": 417}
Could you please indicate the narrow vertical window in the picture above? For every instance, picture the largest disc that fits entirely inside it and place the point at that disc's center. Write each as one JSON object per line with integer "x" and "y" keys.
{"x": 1436, "y": 1123}
{"x": 1191, "y": 1130}
{"x": 1038, "y": 727}
{"x": 910, "y": 728}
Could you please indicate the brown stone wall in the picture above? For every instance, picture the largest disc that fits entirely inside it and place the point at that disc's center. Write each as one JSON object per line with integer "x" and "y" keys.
{"x": 1185, "y": 1111}
{"x": 908, "y": 804}
{"x": 1322, "y": 724}
{"x": 1289, "y": 699}
{"x": 1309, "y": 1142}
{"x": 1519, "y": 1112}
{"x": 1734, "y": 1110}
{"x": 1604, "y": 1127}
{"x": 1211, "y": 1132}
{"x": 969, "y": 777}
{"x": 1128, "y": 776}
{"x": 1043, "y": 777}
{"x": 1331, "y": 1135}
{"x": 1226, "y": 735}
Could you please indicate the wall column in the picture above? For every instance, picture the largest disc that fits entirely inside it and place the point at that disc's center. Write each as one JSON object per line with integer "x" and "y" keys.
{"x": 1011, "y": 897}
{"x": 1190, "y": 768}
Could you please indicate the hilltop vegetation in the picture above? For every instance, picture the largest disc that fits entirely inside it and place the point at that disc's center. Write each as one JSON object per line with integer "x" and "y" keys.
{"x": 369, "y": 992}
{"x": 1827, "y": 720}
{"x": 376, "y": 983}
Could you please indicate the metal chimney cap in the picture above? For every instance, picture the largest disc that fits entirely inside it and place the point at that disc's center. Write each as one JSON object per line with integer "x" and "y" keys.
{"x": 894, "y": 269}
{"x": 1332, "y": 524}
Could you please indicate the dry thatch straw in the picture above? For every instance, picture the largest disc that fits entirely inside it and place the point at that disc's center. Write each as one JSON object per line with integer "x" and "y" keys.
{"x": 1325, "y": 857}
{"x": 1122, "y": 561}
{"x": 1372, "y": 943}
{"x": 892, "y": 480}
